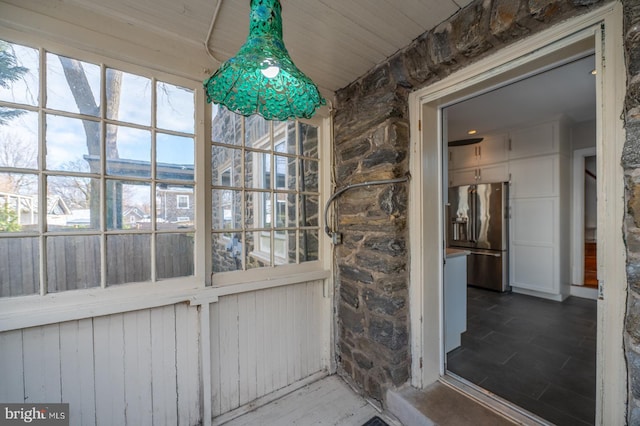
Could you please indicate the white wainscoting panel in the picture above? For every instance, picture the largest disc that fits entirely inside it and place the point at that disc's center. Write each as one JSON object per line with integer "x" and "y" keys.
{"x": 136, "y": 368}
{"x": 263, "y": 341}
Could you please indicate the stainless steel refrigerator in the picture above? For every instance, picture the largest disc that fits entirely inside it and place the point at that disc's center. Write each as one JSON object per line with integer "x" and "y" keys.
{"x": 479, "y": 222}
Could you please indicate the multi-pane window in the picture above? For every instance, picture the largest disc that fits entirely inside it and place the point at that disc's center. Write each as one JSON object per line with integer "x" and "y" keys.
{"x": 96, "y": 175}
{"x": 265, "y": 194}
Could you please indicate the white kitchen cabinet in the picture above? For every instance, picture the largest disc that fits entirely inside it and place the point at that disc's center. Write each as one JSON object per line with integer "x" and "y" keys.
{"x": 485, "y": 174}
{"x": 540, "y": 139}
{"x": 539, "y": 208}
{"x": 492, "y": 149}
{"x": 535, "y": 177}
{"x": 455, "y": 298}
{"x": 461, "y": 157}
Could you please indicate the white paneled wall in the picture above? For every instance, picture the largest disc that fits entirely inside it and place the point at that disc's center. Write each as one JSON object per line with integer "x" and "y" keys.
{"x": 136, "y": 368}
{"x": 144, "y": 367}
{"x": 264, "y": 341}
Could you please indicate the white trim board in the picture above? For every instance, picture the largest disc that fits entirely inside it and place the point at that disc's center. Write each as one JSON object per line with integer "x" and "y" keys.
{"x": 539, "y": 50}
{"x": 577, "y": 231}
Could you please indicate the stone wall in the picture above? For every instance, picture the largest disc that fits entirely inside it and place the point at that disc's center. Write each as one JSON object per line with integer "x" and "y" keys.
{"x": 631, "y": 164}
{"x": 371, "y": 142}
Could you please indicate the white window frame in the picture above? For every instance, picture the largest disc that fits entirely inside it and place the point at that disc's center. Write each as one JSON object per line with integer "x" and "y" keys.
{"x": 282, "y": 270}
{"x": 28, "y": 311}
{"x": 179, "y": 199}
{"x": 33, "y": 310}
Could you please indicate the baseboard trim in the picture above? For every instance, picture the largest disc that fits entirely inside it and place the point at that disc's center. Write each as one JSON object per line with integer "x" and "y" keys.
{"x": 584, "y": 292}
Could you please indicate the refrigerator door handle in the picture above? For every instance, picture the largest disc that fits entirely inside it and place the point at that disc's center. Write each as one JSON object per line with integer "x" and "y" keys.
{"x": 474, "y": 215}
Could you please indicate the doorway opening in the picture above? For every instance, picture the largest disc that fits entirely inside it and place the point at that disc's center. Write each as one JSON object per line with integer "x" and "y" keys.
{"x": 531, "y": 56}
{"x": 527, "y": 339}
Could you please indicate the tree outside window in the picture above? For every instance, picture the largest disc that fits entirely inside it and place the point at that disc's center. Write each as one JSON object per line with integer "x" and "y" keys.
{"x": 97, "y": 167}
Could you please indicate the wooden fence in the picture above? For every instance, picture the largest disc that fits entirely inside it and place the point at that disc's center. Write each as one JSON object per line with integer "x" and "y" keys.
{"x": 73, "y": 262}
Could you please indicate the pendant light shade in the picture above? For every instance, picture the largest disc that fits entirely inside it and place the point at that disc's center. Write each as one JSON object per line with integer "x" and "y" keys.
{"x": 261, "y": 78}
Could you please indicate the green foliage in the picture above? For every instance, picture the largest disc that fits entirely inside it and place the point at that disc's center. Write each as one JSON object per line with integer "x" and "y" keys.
{"x": 8, "y": 220}
{"x": 10, "y": 71}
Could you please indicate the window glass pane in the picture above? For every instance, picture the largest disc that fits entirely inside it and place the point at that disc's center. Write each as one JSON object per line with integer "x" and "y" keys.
{"x": 226, "y": 252}
{"x": 73, "y": 203}
{"x": 175, "y": 157}
{"x": 309, "y": 175}
{"x": 258, "y": 170}
{"x": 226, "y": 166}
{"x": 73, "y": 85}
{"x": 128, "y": 205}
{"x": 309, "y": 210}
{"x": 257, "y": 132}
{"x": 257, "y": 207}
{"x": 285, "y": 210}
{"x": 308, "y": 136}
{"x": 226, "y": 127}
{"x": 18, "y": 138}
{"x": 73, "y": 262}
{"x": 68, "y": 143}
{"x": 285, "y": 177}
{"x": 19, "y": 266}
{"x": 18, "y": 202}
{"x": 258, "y": 249}
{"x": 284, "y": 243}
{"x": 226, "y": 212}
{"x": 174, "y": 255}
{"x": 175, "y": 206}
{"x": 128, "y": 151}
{"x": 176, "y": 108}
{"x": 284, "y": 134}
{"x": 19, "y": 82}
{"x": 128, "y": 258}
{"x": 128, "y": 97}
{"x": 308, "y": 245}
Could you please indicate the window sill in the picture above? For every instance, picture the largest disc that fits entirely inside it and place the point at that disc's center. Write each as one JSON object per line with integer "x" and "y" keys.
{"x": 31, "y": 311}
{"x": 229, "y": 283}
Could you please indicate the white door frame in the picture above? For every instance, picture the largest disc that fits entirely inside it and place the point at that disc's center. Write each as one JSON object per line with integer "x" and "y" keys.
{"x": 603, "y": 27}
{"x": 577, "y": 231}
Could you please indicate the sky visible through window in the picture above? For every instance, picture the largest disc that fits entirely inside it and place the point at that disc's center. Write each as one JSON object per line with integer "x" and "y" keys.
{"x": 65, "y": 136}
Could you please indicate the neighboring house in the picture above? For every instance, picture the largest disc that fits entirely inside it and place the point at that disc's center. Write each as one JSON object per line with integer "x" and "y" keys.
{"x": 132, "y": 215}
{"x": 57, "y": 210}
{"x": 175, "y": 204}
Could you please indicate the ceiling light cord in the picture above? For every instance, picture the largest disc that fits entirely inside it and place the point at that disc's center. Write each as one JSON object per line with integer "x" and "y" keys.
{"x": 214, "y": 18}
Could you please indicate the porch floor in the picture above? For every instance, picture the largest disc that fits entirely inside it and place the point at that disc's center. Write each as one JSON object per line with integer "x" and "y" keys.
{"x": 329, "y": 401}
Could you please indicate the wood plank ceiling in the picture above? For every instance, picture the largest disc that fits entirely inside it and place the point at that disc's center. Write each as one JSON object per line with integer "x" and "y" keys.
{"x": 332, "y": 41}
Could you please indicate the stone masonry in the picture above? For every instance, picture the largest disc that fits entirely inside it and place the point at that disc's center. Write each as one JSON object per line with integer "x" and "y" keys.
{"x": 631, "y": 164}
{"x": 371, "y": 130}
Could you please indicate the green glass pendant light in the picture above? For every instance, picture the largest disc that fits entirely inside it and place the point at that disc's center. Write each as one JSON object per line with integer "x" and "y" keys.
{"x": 261, "y": 78}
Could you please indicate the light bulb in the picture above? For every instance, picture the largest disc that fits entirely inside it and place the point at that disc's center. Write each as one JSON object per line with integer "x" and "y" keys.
{"x": 270, "y": 72}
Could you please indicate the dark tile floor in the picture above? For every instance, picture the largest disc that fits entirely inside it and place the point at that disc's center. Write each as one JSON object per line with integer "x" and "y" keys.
{"x": 536, "y": 353}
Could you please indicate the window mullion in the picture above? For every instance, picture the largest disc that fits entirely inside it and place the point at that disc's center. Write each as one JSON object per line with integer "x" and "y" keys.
{"x": 243, "y": 213}
{"x": 299, "y": 176}
{"x": 42, "y": 178}
{"x": 103, "y": 172}
{"x": 153, "y": 213}
{"x": 272, "y": 187}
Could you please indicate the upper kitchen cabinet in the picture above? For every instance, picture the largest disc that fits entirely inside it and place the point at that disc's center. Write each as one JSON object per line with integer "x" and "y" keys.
{"x": 540, "y": 139}
{"x": 483, "y": 162}
{"x": 491, "y": 150}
